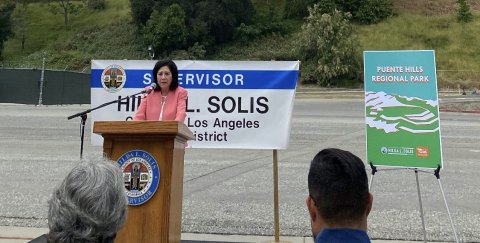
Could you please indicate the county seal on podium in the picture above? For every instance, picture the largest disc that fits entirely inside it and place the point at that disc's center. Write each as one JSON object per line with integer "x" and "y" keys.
{"x": 141, "y": 175}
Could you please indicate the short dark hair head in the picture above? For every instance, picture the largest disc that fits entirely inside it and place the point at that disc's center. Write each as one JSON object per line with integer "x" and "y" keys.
{"x": 338, "y": 184}
{"x": 173, "y": 68}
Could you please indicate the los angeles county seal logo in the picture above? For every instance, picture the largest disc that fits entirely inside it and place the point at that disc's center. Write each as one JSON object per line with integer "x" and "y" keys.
{"x": 113, "y": 78}
{"x": 141, "y": 175}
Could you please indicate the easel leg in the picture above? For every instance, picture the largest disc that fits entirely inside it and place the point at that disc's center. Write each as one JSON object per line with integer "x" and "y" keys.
{"x": 437, "y": 174}
{"x": 370, "y": 183}
{"x": 421, "y": 208}
{"x": 374, "y": 170}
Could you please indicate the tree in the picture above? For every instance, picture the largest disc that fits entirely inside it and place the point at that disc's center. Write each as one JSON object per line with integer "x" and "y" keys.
{"x": 223, "y": 16}
{"x": 67, "y": 7}
{"x": 326, "y": 41}
{"x": 373, "y": 11}
{"x": 21, "y": 23}
{"x": 464, "y": 15}
{"x": 6, "y": 10}
{"x": 166, "y": 31}
{"x": 141, "y": 11}
{"x": 208, "y": 22}
{"x": 198, "y": 32}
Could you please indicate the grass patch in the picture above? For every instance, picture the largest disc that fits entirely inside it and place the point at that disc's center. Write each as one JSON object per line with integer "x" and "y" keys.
{"x": 74, "y": 47}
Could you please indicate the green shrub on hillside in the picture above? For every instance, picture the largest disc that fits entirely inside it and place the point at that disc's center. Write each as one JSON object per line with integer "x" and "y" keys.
{"x": 166, "y": 31}
{"x": 374, "y": 11}
{"x": 208, "y": 22}
{"x": 141, "y": 11}
{"x": 326, "y": 43}
{"x": 223, "y": 16}
{"x": 464, "y": 15}
{"x": 261, "y": 24}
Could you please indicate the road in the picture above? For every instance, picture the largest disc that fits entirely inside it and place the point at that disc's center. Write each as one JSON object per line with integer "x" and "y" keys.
{"x": 231, "y": 191}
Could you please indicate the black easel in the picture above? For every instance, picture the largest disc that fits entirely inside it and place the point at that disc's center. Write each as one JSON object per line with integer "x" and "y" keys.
{"x": 83, "y": 115}
{"x": 437, "y": 175}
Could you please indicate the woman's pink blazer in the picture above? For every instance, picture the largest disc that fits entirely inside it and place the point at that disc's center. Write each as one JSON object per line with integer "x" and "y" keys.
{"x": 174, "y": 108}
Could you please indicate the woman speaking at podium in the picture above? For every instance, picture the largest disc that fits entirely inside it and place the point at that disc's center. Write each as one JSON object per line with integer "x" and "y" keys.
{"x": 167, "y": 100}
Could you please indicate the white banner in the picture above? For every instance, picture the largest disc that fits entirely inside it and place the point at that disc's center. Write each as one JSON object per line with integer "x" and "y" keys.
{"x": 231, "y": 104}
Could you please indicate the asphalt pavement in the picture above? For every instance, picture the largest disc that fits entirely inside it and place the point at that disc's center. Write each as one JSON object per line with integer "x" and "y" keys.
{"x": 228, "y": 193}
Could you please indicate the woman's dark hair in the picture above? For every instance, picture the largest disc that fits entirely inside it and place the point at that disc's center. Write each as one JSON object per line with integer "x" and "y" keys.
{"x": 173, "y": 69}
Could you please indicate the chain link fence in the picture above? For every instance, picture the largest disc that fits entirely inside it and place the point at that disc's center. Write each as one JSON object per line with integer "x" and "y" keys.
{"x": 22, "y": 86}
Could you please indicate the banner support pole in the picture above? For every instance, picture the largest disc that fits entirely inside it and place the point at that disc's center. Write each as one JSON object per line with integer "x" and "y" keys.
{"x": 275, "y": 196}
{"x": 421, "y": 207}
{"x": 437, "y": 174}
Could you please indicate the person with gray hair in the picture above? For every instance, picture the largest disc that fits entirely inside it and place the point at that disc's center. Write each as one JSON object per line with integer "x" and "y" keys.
{"x": 90, "y": 205}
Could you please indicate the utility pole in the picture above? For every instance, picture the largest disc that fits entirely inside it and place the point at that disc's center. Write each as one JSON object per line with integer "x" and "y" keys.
{"x": 42, "y": 79}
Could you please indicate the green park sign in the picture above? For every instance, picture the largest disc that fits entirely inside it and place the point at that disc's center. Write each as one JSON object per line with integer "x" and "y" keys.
{"x": 401, "y": 109}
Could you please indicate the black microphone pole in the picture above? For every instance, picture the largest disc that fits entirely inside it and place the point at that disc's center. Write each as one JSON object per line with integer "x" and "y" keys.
{"x": 83, "y": 115}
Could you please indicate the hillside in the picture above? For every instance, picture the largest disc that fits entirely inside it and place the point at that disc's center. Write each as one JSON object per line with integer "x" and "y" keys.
{"x": 110, "y": 34}
{"x": 456, "y": 45}
{"x": 431, "y": 7}
{"x": 106, "y": 34}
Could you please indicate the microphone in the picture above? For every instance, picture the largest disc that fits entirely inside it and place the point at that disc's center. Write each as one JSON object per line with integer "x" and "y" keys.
{"x": 150, "y": 88}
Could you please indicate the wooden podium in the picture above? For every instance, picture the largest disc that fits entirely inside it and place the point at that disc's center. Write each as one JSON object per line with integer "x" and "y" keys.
{"x": 160, "y": 218}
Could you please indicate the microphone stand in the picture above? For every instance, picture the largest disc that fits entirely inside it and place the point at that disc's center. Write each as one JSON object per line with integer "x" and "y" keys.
{"x": 83, "y": 116}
